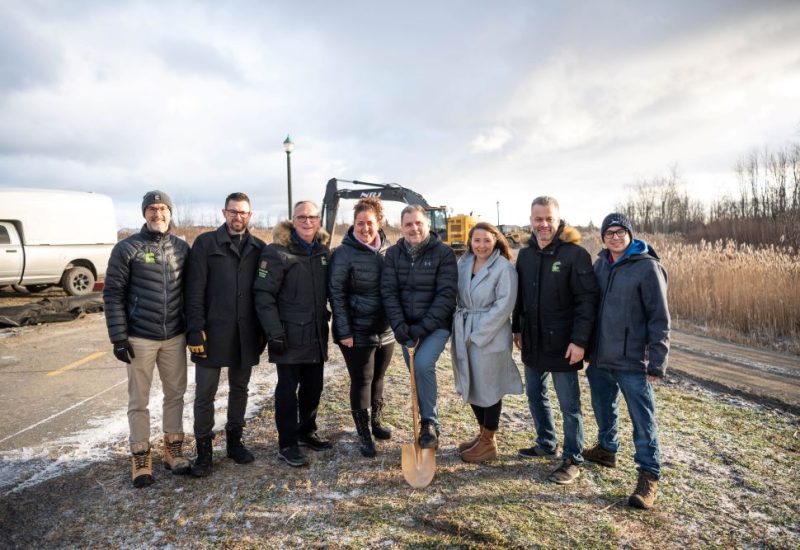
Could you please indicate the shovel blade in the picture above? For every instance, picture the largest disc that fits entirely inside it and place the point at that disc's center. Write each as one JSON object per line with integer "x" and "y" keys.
{"x": 418, "y": 465}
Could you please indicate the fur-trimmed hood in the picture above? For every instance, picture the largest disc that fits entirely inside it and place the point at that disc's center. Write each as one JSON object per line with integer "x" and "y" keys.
{"x": 569, "y": 234}
{"x": 282, "y": 234}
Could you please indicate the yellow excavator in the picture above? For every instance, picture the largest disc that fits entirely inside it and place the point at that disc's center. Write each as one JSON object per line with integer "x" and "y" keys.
{"x": 452, "y": 229}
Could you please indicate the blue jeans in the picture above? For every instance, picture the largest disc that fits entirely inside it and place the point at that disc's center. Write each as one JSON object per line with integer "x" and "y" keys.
{"x": 568, "y": 392}
{"x": 606, "y": 385}
{"x": 428, "y": 351}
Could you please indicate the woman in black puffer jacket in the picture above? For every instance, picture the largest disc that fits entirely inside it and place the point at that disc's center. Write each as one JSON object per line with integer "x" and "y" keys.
{"x": 360, "y": 326}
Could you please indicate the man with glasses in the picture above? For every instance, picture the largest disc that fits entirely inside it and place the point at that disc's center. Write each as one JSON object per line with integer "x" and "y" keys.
{"x": 552, "y": 325}
{"x": 222, "y": 327}
{"x": 630, "y": 351}
{"x": 291, "y": 292}
{"x": 143, "y": 299}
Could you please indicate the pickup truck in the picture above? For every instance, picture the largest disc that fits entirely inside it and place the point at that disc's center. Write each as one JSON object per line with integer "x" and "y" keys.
{"x": 52, "y": 237}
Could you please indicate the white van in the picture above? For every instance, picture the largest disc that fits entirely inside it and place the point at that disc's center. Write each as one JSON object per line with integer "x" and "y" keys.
{"x": 55, "y": 238}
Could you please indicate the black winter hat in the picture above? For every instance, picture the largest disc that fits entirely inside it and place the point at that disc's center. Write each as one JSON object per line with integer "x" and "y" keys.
{"x": 156, "y": 197}
{"x": 616, "y": 218}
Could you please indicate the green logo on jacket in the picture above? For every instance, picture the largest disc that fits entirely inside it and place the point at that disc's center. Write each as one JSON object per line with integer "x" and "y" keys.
{"x": 556, "y": 267}
{"x": 149, "y": 257}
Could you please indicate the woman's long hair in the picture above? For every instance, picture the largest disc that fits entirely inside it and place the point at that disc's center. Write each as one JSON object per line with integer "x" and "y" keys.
{"x": 500, "y": 244}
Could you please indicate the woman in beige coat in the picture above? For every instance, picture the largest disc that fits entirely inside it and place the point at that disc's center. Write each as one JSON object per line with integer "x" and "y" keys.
{"x": 481, "y": 345}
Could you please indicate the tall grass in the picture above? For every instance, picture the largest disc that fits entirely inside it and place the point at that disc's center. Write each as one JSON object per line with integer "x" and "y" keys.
{"x": 753, "y": 291}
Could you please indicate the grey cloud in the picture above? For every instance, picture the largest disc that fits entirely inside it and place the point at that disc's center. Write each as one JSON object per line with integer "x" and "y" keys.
{"x": 192, "y": 57}
{"x": 27, "y": 59}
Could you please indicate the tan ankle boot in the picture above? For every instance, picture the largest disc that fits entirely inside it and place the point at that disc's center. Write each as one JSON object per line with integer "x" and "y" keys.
{"x": 142, "y": 469}
{"x": 173, "y": 455}
{"x": 644, "y": 496}
{"x": 471, "y": 443}
{"x": 485, "y": 449}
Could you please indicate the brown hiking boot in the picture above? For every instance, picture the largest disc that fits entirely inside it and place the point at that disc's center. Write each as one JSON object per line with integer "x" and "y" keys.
{"x": 142, "y": 469}
{"x": 173, "y": 455}
{"x": 467, "y": 444}
{"x": 485, "y": 449}
{"x": 601, "y": 456}
{"x": 644, "y": 496}
{"x": 566, "y": 473}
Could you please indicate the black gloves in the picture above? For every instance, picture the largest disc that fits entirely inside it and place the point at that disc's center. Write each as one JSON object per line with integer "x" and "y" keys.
{"x": 123, "y": 351}
{"x": 416, "y": 333}
{"x": 276, "y": 346}
{"x": 401, "y": 334}
{"x": 196, "y": 341}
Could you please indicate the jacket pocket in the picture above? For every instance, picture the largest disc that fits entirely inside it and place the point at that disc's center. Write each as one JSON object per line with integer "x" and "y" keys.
{"x": 556, "y": 338}
{"x": 299, "y": 329}
{"x": 625, "y": 343}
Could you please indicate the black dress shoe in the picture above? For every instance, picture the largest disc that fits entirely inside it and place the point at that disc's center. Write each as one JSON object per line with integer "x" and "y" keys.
{"x": 313, "y": 442}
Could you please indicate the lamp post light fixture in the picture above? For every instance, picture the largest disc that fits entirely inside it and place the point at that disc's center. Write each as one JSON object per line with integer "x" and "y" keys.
{"x": 498, "y": 213}
{"x": 288, "y": 145}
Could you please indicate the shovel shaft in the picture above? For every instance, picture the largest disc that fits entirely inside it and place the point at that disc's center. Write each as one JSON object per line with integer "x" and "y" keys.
{"x": 414, "y": 401}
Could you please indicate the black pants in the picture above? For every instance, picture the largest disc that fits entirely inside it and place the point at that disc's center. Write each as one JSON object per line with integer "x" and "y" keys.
{"x": 298, "y": 391}
{"x": 489, "y": 417}
{"x": 367, "y": 367}
{"x": 206, "y": 383}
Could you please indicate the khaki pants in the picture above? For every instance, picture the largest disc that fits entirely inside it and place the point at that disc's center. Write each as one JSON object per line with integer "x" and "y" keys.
{"x": 170, "y": 357}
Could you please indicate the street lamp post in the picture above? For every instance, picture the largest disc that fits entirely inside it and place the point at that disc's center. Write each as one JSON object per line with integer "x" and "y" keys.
{"x": 288, "y": 145}
{"x": 498, "y": 213}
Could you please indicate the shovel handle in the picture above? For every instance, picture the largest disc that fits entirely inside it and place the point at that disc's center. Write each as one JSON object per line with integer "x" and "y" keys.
{"x": 414, "y": 402}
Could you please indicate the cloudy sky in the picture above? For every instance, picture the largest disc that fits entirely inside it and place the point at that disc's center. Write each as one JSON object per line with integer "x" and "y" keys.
{"x": 467, "y": 102}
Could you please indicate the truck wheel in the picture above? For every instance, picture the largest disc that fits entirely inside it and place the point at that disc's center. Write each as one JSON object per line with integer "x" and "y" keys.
{"x": 78, "y": 281}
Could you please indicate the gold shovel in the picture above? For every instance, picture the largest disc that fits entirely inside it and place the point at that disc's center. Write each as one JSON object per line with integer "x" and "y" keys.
{"x": 418, "y": 464}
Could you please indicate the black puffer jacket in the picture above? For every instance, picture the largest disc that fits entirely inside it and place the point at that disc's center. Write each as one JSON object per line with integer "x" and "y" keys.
{"x": 219, "y": 298}
{"x": 354, "y": 287}
{"x": 143, "y": 292}
{"x": 556, "y": 302}
{"x": 420, "y": 296}
{"x": 291, "y": 293}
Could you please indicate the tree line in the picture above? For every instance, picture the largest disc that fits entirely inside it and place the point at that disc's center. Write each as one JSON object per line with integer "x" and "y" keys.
{"x": 766, "y": 209}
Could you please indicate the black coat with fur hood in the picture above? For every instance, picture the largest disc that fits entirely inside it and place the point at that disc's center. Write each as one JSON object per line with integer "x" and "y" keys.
{"x": 291, "y": 293}
{"x": 556, "y": 301}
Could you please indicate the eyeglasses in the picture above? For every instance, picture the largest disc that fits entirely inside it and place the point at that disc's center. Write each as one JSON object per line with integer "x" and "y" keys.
{"x": 303, "y": 219}
{"x": 619, "y": 233}
{"x": 157, "y": 209}
{"x": 235, "y": 213}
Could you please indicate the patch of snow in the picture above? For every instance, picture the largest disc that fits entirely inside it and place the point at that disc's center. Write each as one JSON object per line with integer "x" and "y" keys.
{"x": 105, "y": 438}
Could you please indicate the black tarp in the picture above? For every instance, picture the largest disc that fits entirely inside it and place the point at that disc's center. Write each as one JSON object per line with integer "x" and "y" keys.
{"x": 51, "y": 310}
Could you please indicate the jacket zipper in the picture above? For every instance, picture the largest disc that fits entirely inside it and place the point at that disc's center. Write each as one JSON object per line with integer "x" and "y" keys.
{"x": 164, "y": 276}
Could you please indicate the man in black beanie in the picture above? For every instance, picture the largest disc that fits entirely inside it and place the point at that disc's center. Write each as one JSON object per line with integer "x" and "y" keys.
{"x": 629, "y": 352}
{"x": 143, "y": 299}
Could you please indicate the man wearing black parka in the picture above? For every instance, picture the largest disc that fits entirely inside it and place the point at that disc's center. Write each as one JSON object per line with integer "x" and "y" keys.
{"x": 291, "y": 293}
{"x": 552, "y": 325}
{"x": 223, "y": 329}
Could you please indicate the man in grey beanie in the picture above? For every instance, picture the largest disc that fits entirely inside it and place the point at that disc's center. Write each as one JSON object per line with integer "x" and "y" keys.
{"x": 143, "y": 298}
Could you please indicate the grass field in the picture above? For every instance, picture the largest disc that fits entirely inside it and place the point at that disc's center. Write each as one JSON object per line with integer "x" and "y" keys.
{"x": 730, "y": 480}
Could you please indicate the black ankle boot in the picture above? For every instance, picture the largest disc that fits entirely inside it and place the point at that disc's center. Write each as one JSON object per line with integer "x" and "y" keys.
{"x": 234, "y": 447}
{"x": 379, "y": 431}
{"x": 361, "y": 418}
{"x": 201, "y": 467}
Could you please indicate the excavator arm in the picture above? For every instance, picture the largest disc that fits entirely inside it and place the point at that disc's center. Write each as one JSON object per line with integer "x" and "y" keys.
{"x": 383, "y": 191}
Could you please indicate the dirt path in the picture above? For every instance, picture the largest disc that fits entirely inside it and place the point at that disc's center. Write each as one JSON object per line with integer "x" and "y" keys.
{"x": 767, "y": 377}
